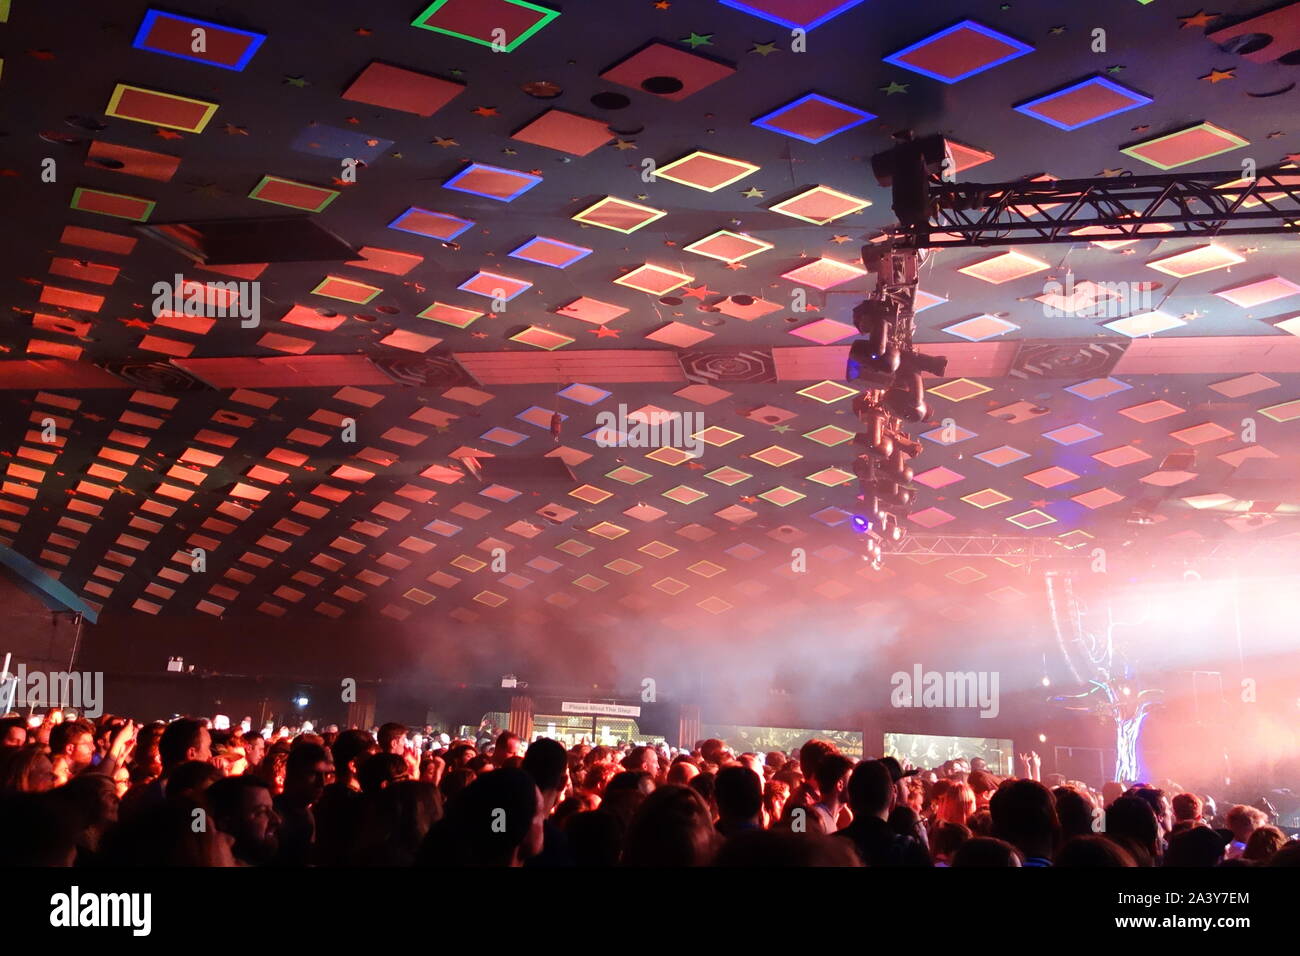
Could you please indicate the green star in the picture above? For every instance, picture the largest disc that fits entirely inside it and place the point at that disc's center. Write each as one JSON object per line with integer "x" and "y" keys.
{"x": 298, "y": 81}
{"x": 696, "y": 39}
{"x": 763, "y": 49}
{"x": 1114, "y": 69}
{"x": 894, "y": 87}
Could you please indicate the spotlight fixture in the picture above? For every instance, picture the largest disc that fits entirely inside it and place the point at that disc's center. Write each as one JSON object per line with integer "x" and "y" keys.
{"x": 907, "y": 400}
{"x": 861, "y": 524}
{"x": 908, "y": 170}
{"x": 913, "y": 361}
{"x": 891, "y": 370}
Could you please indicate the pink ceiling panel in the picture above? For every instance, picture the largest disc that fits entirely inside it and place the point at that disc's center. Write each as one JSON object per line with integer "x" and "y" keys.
{"x": 285, "y": 372}
{"x": 965, "y": 359}
{"x": 55, "y": 373}
{"x": 597, "y": 366}
{"x": 1220, "y": 353}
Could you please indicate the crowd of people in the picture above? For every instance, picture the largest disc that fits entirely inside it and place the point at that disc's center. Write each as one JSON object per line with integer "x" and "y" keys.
{"x": 193, "y": 792}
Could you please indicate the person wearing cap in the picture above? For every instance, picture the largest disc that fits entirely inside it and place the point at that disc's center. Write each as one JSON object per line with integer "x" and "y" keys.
{"x": 897, "y": 775}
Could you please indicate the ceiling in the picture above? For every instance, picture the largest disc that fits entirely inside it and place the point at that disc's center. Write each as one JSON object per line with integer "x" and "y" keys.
{"x": 175, "y": 432}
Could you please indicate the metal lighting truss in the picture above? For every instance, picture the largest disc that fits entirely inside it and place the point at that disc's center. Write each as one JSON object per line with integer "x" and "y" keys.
{"x": 964, "y": 215}
{"x": 977, "y": 546}
{"x": 1201, "y": 205}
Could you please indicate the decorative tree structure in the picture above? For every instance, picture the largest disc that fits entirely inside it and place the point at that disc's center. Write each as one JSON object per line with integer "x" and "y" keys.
{"x": 1099, "y": 668}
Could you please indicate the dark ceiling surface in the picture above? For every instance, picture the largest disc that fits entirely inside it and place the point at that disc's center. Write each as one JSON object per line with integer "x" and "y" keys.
{"x": 161, "y": 447}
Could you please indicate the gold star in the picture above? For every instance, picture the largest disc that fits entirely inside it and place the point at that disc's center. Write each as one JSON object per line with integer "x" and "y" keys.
{"x": 753, "y": 192}
{"x": 1198, "y": 19}
{"x": 763, "y": 49}
{"x": 1110, "y": 173}
{"x": 1218, "y": 76}
{"x": 622, "y": 145}
{"x": 838, "y": 240}
{"x": 444, "y": 143}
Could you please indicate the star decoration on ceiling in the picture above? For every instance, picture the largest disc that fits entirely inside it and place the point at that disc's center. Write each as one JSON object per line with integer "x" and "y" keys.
{"x": 299, "y": 81}
{"x": 733, "y": 266}
{"x": 485, "y": 111}
{"x": 1115, "y": 68}
{"x": 698, "y": 39}
{"x": 894, "y": 87}
{"x": 697, "y": 292}
{"x": 839, "y": 240}
{"x": 781, "y": 428}
{"x": 167, "y": 134}
{"x": 1218, "y": 76}
{"x": 604, "y": 332}
{"x": 444, "y": 142}
{"x": 1110, "y": 173}
{"x": 1198, "y": 19}
{"x": 1056, "y": 31}
{"x": 753, "y": 192}
{"x": 623, "y": 145}
{"x": 134, "y": 323}
{"x": 233, "y": 130}
{"x": 763, "y": 49}
{"x": 662, "y": 4}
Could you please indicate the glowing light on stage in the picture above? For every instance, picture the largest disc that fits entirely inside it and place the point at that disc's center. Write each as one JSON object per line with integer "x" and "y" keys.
{"x": 861, "y": 524}
{"x": 301, "y": 701}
